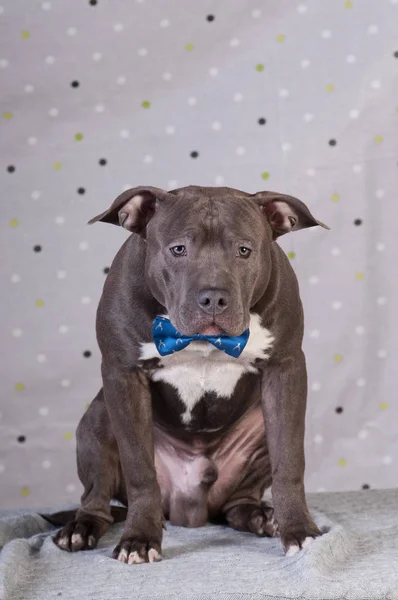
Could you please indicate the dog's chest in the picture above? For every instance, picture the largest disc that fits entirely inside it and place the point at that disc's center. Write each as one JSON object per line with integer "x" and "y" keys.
{"x": 202, "y": 368}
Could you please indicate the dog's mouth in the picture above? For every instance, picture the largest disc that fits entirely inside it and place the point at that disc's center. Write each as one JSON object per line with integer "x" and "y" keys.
{"x": 210, "y": 326}
{"x": 212, "y": 329}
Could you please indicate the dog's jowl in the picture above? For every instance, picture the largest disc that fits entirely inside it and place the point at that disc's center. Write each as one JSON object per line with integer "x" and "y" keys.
{"x": 202, "y": 408}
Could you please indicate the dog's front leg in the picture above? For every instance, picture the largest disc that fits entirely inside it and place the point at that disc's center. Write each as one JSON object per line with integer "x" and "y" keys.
{"x": 284, "y": 397}
{"x": 128, "y": 401}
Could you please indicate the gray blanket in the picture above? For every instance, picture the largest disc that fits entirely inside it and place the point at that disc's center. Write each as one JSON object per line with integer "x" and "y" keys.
{"x": 356, "y": 559}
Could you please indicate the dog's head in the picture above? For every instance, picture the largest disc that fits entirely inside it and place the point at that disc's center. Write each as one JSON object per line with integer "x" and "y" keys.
{"x": 208, "y": 259}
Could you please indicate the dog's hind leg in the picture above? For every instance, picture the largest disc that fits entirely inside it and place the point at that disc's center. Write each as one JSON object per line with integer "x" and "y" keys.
{"x": 100, "y": 473}
{"x": 245, "y": 510}
{"x": 244, "y": 470}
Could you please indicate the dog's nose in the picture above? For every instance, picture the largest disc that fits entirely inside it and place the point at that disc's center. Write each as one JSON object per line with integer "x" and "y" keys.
{"x": 213, "y": 302}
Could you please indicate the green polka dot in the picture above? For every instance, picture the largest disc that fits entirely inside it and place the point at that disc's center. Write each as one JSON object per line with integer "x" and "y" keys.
{"x": 78, "y": 137}
{"x": 383, "y": 405}
{"x": 68, "y": 435}
{"x": 335, "y": 197}
{"x": 329, "y": 87}
{"x": 348, "y": 4}
{"x": 88, "y": 405}
{"x": 280, "y": 38}
{"x": 7, "y": 115}
{"x": 265, "y": 175}
{"x": 378, "y": 139}
{"x": 338, "y": 358}
{"x": 25, "y": 35}
{"x": 14, "y": 223}
{"x": 57, "y": 166}
{"x": 39, "y": 303}
{"x": 291, "y": 255}
{"x": 260, "y": 67}
{"x": 189, "y": 47}
{"x": 146, "y": 104}
{"x": 342, "y": 462}
{"x": 25, "y": 492}
{"x": 19, "y": 387}
{"x": 359, "y": 276}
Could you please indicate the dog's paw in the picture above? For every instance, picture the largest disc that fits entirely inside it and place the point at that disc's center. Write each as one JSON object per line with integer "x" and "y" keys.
{"x": 261, "y": 521}
{"x": 81, "y": 534}
{"x": 296, "y": 546}
{"x": 299, "y": 537}
{"x": 257, "y": 519}
{"x": 135, "y": 551}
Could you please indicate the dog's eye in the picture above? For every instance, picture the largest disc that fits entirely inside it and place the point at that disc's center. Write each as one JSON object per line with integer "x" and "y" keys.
{"x": 244, "y": 252}
{"x": 178, "y": 251}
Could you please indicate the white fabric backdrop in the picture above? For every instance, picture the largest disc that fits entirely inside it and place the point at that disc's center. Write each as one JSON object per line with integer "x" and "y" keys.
{"x": 255, "y": 94}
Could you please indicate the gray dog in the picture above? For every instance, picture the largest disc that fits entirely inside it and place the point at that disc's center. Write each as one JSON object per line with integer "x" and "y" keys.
{"x": 202, "y": 408}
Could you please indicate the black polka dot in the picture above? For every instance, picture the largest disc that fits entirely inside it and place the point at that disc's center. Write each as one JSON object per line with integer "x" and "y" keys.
{"x": 332, "y": 142}
{"x": 37, "y": 248}
{"x": 102, "y": 161}
{"x": 339, "y": 410}
{"x": 81, "y": 190}
{"x": 93, "y": 2}
{"x": 11, "y": 168}
{"x": 358, "y": 222}
{"x": 194, "y": 154}
{"x": 106, "y": 270}
{"x": 366, "y": 486}
{"x": 21, "y": 439}
{"x": 210, "y": 18}
{"x": 396, "y": 54}
{"x": 262, "y": 121}
{"x": 87, "y": 354}
{"x": 75, "y": 84}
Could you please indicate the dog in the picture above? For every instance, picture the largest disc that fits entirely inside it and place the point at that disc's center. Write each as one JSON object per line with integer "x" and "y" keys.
{"x": 202, "y": 409}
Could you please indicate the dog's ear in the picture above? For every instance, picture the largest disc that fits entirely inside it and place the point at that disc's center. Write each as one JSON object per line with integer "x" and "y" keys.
{"x": 285, "y": 213}
{"x": 133, "y": 208}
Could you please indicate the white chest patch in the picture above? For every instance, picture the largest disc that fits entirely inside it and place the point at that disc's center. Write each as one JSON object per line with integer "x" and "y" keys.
{"x": 202, "y": 368}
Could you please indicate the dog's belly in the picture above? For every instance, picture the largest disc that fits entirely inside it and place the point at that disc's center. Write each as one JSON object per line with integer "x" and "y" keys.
{"x": 202, "y": 374}
{"x": 199, "y": 476}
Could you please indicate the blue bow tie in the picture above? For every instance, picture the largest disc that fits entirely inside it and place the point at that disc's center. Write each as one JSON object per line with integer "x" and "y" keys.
{"x": 168, "y": 340}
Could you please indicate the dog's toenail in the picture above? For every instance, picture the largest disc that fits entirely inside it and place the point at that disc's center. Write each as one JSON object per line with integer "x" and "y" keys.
{"x": 154, "y": 555}
{"x": 135, "y": 558}
{"x": 76, "y": 539}
{"x": 123, "y": 556}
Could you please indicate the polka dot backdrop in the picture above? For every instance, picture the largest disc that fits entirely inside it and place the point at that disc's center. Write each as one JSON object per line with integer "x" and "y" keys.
{"x": 101, "y": 95}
